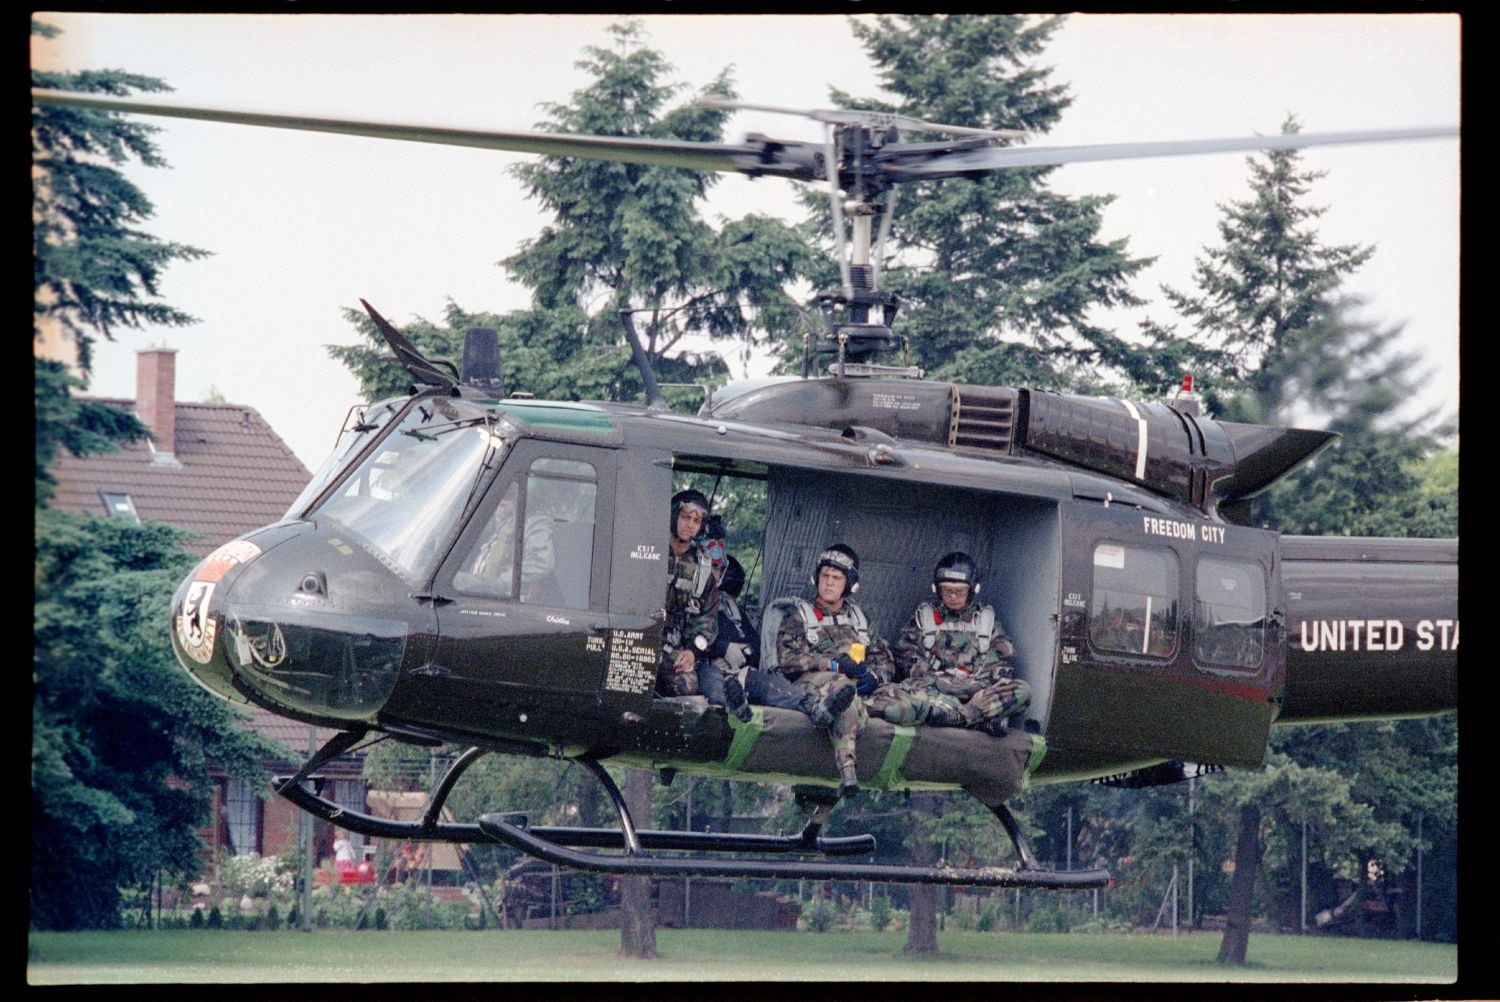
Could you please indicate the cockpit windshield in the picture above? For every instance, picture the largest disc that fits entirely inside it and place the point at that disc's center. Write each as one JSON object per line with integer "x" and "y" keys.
{"x": 406, "y": 497}
{"x": 360, "y": 425}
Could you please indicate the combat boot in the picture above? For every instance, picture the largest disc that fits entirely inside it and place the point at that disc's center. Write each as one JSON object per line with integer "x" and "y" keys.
{"x": 996, "y": 726}
{"x": 848, "y": 779}
{"x": 823, "y": 710}
{"x": 734, "y": 698}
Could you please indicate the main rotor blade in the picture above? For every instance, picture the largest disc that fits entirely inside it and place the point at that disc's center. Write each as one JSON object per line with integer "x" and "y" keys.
{"x": 1000, "y": 158}
{"x": 896, "y": 162}
{"x": 655, "y": 152}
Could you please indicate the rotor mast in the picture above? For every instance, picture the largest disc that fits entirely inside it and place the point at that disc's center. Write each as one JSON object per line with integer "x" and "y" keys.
{"x": 864, "y": 189}
{"x": 857, "y": 189}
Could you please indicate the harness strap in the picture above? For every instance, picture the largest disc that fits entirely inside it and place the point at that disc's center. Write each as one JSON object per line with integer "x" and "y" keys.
{"x": 694, "y": 586}
{"x": 852, "y": 616}
{"x": 809, "y": 619}
{"x": 983, "y": 627}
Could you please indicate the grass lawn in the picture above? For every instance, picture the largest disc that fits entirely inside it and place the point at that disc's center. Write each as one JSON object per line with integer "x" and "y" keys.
{"x": 203, "y": 957}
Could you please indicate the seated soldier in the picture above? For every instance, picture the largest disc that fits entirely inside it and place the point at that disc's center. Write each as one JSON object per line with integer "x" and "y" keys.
{"x": 737, "y": 649}
{"x": 838, "y": 631}
{"x": 492, "y": 567}
{"x": 823, "y": 648}
{"x": 959, "y": 654}
{"x": 692, "y": 606}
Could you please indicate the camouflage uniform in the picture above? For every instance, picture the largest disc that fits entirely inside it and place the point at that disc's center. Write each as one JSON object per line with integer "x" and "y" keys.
{"x": 692, "y": 612}
{"x": 943, "y": 653}
{"x": 804, "y": 661}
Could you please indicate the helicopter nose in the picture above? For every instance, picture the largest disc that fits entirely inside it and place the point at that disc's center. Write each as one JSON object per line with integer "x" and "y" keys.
{"x": 267, "y": 628}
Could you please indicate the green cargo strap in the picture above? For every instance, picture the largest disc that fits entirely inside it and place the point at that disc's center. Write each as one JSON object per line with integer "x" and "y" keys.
{"x": 1038, "y": 752}
{"x": 746, "y": 733}
{"x": 889, "y": 777}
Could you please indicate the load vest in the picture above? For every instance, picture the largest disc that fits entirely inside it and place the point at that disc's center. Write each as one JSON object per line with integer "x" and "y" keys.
{"x": 693, "y": 585}
{"x": 689, "y": 590}
{"x": 852, "y": 616}
{"x": 983, "y": 626}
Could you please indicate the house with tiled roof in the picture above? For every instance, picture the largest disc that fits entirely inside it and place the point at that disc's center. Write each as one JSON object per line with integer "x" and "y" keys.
{"x": 219, "y": 471}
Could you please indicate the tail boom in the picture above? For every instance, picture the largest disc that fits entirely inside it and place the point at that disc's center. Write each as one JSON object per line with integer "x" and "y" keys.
{"x": 1372, "y": 627}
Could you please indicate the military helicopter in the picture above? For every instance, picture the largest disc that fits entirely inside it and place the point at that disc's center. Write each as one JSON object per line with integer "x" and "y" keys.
{"x": 1160, "y": 636}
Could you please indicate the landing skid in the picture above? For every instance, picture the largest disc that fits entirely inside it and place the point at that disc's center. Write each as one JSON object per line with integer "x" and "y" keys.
{"x": 561, "y": 845}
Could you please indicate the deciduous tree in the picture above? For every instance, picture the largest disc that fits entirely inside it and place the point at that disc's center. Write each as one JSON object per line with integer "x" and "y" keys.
{"x": 631, "y": 237}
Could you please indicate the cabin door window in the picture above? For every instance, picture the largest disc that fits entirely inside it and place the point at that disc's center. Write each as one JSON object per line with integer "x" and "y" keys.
{"x": 555, "y": 559}
{"x": 1134, "y": 608}
{"x": 1229, "y": 613}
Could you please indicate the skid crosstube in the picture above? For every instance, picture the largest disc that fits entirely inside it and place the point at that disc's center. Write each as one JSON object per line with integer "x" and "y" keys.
{"x": 594, "y": 838}
{"x": 560, "y": 845}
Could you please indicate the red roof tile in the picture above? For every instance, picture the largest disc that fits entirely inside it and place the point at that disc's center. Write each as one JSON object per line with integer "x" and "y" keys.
{"x": 232, "y": 474}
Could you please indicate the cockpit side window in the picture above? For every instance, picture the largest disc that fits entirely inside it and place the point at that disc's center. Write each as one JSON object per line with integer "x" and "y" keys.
{"x": 1134, "y": 605}
{"x": 490, "y": 568}
{"x": 1229, "y": 613}
{"x": 555, "y": 562}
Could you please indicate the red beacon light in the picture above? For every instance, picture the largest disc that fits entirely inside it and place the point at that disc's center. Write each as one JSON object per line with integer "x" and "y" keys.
{"x": 1186, "y": 401}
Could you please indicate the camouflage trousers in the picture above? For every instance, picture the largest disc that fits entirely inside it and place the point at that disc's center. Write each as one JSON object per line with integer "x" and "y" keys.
{"x": 913, "y": 702}
{"x": 948, "y": 701}
{"x": 846, "y": 725}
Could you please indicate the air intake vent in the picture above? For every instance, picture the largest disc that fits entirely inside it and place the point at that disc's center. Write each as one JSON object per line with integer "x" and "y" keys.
{"x": 983, "y": 417}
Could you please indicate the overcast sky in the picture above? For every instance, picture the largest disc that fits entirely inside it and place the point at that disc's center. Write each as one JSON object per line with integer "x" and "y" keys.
{"x": 303, "y": 225}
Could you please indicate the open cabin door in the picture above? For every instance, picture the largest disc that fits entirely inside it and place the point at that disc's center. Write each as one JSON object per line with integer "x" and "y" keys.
{"x": 901, "y": 529}
{"x": 637, "y": 581}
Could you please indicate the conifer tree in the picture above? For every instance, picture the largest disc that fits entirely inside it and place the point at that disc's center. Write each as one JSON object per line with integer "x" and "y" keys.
{"x": 93, "y": 270}
{"x": 120, "y": 736}
{"x": 1280, "y": 342}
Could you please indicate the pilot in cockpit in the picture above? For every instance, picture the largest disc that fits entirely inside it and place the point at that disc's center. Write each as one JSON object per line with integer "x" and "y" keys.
{"x": 492, "y": 569}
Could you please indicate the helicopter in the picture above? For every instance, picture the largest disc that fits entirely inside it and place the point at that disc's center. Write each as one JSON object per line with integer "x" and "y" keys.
{"x": 1130, "y": 578}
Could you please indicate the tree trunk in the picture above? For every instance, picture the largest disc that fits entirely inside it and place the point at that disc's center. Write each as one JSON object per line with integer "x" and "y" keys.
{"x": 921, "y": 925}
{"x": 637, "y": 913}
{"x": 1241, "y": 889}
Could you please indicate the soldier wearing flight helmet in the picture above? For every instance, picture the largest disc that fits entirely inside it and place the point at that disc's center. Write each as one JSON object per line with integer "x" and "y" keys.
{"x": 829, "y": 645}
{"x": 956, "y": 650}
{"x": 692, "y": 606}
{"x": 737, "y": 650}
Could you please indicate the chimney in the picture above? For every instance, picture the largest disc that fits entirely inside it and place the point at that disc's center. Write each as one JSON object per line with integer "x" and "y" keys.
{"x": 155, "y": 395}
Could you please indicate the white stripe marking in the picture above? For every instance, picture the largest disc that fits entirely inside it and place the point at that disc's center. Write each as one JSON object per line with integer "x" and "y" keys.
{"x": 1140, "y": 440}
